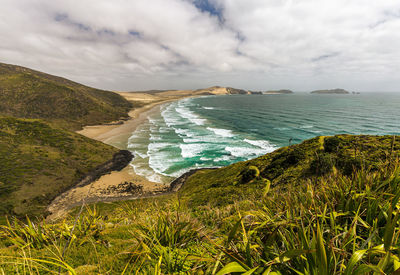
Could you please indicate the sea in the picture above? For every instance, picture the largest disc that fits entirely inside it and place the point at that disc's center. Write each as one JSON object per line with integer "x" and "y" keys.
{"x": 215, "y": 131}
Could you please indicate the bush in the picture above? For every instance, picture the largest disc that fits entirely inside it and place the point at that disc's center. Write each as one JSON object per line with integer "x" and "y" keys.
{"x": 331, "y": 144}
{"x": 322, "y": 164}
{"x": 295, "y": 156}
{"x": 250, "y": 174}
{"x": 348, "y": 166}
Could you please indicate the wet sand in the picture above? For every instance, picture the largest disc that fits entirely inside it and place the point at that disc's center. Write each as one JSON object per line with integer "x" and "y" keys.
{"x": 104, "y": 189}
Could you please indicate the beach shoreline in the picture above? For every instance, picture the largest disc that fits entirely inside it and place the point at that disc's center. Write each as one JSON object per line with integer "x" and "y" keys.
{"x": 116, "y": 134}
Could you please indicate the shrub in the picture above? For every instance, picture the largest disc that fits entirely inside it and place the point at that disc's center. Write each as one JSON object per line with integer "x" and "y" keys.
{"x": 331, "y": 144}
{"x": 250, "y": 174}
{"x": 322, "y": 164}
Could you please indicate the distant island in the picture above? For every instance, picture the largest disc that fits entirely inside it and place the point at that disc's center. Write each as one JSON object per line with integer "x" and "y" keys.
{"x": 277, "y": 92}
{"x": 333, "y": 91}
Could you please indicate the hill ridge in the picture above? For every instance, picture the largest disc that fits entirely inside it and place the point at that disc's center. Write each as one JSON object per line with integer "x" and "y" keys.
{"x": 27, "y": 93}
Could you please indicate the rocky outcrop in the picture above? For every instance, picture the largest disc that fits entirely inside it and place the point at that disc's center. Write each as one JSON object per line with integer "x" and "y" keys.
{"x": 255, "y": 93}
{"x": 119, "y": 161}
{"x": 233, "y": 91}
{"x": 124, "y": 188}
{"x": 176, "y": 184}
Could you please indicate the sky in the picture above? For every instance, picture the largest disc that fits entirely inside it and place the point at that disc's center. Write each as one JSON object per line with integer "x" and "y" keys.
{"x": 188, "y": 44}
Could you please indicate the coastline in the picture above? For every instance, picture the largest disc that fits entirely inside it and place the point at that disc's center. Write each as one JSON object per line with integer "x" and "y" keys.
{"x": 107, "y": 187}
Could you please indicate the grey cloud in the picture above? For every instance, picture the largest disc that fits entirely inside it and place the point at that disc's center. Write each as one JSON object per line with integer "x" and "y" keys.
{"x": 324, "y": 56}
{"x": 254, "y": 44}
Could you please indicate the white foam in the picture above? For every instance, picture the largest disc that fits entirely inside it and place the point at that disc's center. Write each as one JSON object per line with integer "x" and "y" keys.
{"x": 161, "y": 161}
{"x": 183, "y": 132}
{"x": 182, "y": 171}
{"x": 153, "y": 129}
{"x": 192, "y": 140}
{"x": 191, "y": 150}
{"x": 222, "y": 158}
{"x": 133, "y": 145}
{"x": 306, "y": 126}
{"x": 264, "y": 144}
{"x": 154, "y": 137}
{"x": 141, "y": 155}
{"x": 149, "y": 174}
{"x": 241, "y": 152}
{"x": 155, "y": 147}
{"x": 208, "y": 108}
{"x": 169, "y": 116}
{"x": 221, "y": 132}
{"x": 192, "y": 117}
{"x": 205, "y": 159}
{"x": 138, "y": 135}
{"x": 164, "y": 130}
{"x": 154, "y": 121}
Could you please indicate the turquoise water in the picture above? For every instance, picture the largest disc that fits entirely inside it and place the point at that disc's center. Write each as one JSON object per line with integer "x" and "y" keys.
{"x": 215, "y": 131}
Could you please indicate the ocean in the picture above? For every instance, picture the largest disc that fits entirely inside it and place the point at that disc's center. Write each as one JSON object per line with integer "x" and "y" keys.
{"x": 215, "y": 131}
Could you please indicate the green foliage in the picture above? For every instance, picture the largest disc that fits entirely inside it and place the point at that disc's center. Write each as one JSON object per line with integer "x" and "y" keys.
{"x": 249, "y": 174}
{"x": 331, "y": 223}
{"x": 26, "y": 93}
{"x": 322, "y": 164}
{"x": 331, "y": 144}
{"x": 41, "y": 234}
{"x": 328, "y": 228}
{"x": 39, "y": 161}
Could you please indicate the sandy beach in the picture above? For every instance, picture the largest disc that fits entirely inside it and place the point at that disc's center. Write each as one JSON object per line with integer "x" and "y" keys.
{"x": 117, "y": 134}
{"x": 108, "y": 187}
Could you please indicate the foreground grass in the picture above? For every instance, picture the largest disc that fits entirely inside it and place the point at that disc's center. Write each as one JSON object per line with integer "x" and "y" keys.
{"x": 336, "y": 225}
{"x": 327, "y": 206}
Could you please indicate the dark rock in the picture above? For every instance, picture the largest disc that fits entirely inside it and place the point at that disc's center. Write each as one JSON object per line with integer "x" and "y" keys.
{"x": 176, "y": 184}
{"x": 255, "y": 93}
{"x": 125, "y": 187}
{"x": 119, "y": 161}
{"x": 233, "y": 91}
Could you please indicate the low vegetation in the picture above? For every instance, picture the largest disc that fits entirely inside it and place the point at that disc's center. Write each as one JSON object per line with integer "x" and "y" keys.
{"x": 25, "y": 93}
{"x": 327, "y": 206}
{"x": 39, "y": 161}
{"x": 40, "y": 156}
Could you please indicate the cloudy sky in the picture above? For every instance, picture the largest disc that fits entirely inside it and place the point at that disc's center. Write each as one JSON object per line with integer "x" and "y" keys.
{"x": 183, "y": 44}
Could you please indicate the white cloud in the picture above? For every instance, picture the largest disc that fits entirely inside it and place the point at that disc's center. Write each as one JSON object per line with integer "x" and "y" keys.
{"x": 258, "y": 44}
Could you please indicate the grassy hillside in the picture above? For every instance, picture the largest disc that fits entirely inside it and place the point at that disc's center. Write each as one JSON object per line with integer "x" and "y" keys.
{"x": 26, "y": 93}
{"x": 327, "y": 206}
{"x": 38, "y": 161}
{"x": 288, "y": 165}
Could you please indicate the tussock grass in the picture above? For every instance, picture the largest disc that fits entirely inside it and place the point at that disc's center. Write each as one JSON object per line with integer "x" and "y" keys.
{"x": 334, "y": 223}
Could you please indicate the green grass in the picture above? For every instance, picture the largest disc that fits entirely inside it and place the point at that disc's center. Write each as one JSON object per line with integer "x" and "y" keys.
{"x": 39, "y": 161}
{"x": 26, "y": 93}
{"x": 288, "y": 166}
{"x": 313, "y": 217}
